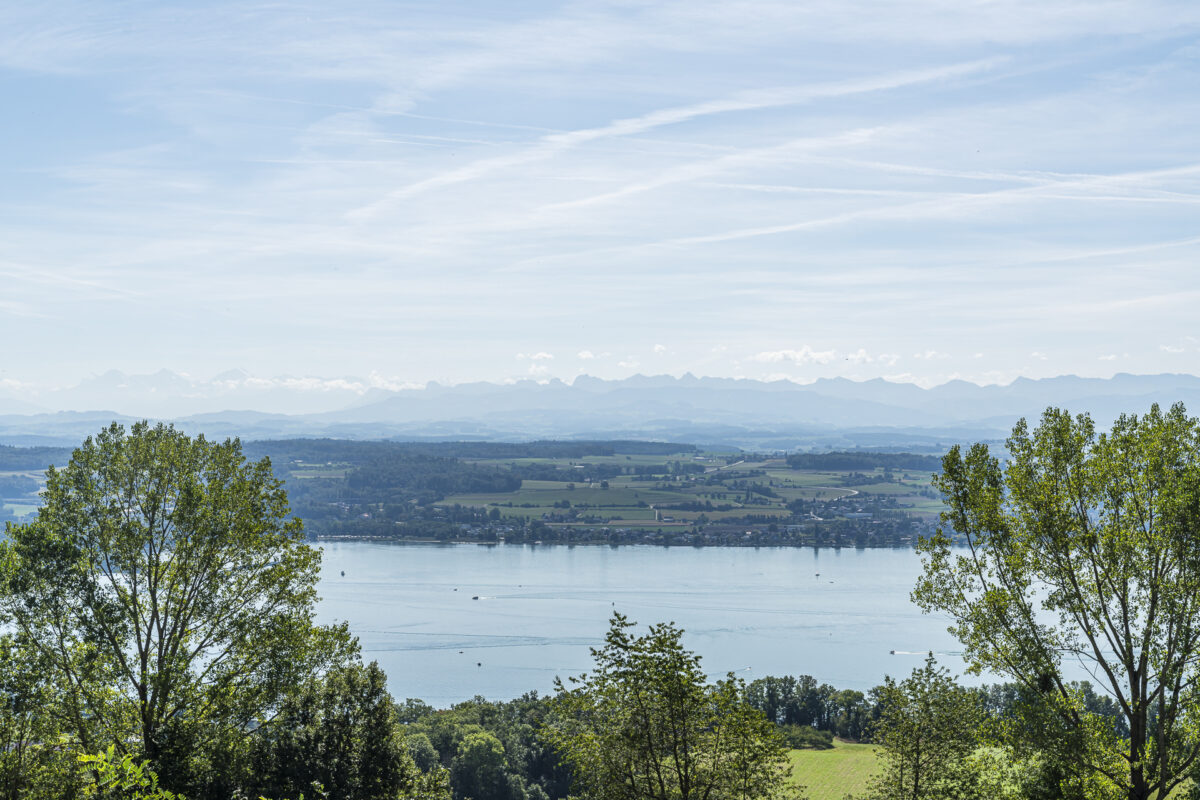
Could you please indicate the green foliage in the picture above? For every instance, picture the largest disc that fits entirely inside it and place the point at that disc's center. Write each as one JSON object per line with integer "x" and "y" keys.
{"x": 478, "y": 769}
{"x": 422, "y": 751}
{"x": 805, "y": 703}
{"x": 434, "y": 785}
{"x": 337, "y": 737}
{"x": 1084, "y": 546}
{"x": 121, "y": 778}
{"x": 167, "y": 597}
{"x": 799, "y": 737}
{"x": 427, "y": 477}
{"x": 858, "y": 461}
{"x": 928, "y": 733}
{"x": 531, "y": 767}
{"x": 646, "y": 724}
{"x": 1054, "y": 746}
{"x": 36, "y": 758}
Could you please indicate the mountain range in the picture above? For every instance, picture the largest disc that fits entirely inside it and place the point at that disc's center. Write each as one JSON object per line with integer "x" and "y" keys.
{"x": 717, "y": 411}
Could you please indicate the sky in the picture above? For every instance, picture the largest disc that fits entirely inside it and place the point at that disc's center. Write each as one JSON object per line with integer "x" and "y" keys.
{"x": 460, "y": 191}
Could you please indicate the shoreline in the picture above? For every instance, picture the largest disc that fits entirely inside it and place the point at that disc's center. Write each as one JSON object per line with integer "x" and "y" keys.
{"x": 667, "y": 545}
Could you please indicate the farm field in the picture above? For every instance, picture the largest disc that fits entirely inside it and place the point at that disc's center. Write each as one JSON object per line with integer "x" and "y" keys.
{"x": 19, "y": 494}
{"x": 710, "y": 488}
{"x": 833, "y": 774}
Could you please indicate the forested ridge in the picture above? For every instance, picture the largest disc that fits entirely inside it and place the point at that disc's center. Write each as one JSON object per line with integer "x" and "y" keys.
{"x": 864, "y": 461}
{"x": 13, "y": 459}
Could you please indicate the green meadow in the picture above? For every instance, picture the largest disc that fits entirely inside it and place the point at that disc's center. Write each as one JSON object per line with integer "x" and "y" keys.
{"x": 833, "y": 774}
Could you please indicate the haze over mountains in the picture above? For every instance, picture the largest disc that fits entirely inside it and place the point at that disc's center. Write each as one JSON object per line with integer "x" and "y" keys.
{"x": 779, "y": 414}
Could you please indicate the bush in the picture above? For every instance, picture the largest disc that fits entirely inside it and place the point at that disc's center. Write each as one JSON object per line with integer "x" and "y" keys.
{"x": 806, "y": 737}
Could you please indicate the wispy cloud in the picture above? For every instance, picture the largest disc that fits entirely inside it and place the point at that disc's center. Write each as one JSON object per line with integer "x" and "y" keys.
{"x": 754, "y": 100}
{"x": 414, "y": 192}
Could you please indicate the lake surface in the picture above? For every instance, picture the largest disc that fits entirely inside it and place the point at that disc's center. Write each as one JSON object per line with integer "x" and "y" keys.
{"x": 752, "y": 611}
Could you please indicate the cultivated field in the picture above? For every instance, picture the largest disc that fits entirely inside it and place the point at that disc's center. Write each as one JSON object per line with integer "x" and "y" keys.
{"x": 726, "y": 488}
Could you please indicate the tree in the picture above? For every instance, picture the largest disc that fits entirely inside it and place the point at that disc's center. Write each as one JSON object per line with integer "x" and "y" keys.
{"x": 168, "y": 596}
{"x": 340, "y": 734}
{"x": 34, "y": 763}
{"x": 479, "y": 769}
{"x": 1084, "y": 547}
{"x": 646, "y": 725}
{"x": 928, "y": 732}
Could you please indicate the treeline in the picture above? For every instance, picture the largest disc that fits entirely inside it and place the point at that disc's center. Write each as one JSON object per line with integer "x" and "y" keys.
{"x": 422, "y": 474}
{"x": 17, "y": 485}
{"x": 853, "y": 460}
{"x": 490, "y": 750}
{"x": 31, "y": 459}
{"x": 801, "y": 702}
{"x": 495, "y": 750}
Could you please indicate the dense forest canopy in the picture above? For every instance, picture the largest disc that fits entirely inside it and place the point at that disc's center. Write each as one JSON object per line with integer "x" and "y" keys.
{"x": 14, "y": 459}
{"x": 866, "y": 460}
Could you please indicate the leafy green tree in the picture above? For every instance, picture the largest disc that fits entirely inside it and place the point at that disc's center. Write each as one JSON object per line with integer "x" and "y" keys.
{"x": 532, "y": 768}
{"x": 36, "y": 759}
{"x": 168, "y": 597}
{"x": 337, "y": 737}
{"x": 1085, "y": 547}
{"x": 1051, "y": 752}
{"x": 422, "y": 751}
{"x": 928, "y": 732}
{"x": 479, "y": 770}
{"x": 646, "y": 725}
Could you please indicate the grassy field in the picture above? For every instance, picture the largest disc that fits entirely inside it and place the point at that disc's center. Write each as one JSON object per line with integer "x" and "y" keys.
{"x": 832, "y": 774}
{"x": 847, "y": 768}
{"x": 635, "y": 501}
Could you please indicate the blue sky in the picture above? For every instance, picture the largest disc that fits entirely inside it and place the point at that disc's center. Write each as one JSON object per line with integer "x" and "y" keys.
{"x": 461, "y": 191}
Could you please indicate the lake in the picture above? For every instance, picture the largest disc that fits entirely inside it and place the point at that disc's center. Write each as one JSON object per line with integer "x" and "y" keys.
{"x": 833, "y": 614}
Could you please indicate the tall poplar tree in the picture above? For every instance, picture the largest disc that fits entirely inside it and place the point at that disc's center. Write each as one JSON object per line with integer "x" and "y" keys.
{"x": 1084, "y": 549}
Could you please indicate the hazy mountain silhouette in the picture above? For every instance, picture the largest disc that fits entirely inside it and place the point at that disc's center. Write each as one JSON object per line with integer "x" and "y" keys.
{"x": 779, "y": 414}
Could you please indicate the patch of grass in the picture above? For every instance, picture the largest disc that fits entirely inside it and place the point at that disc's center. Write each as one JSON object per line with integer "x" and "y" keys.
{"x": 324, "y": 472}
{"x": 807, "y": 477}
{"x": 833, "y": 774}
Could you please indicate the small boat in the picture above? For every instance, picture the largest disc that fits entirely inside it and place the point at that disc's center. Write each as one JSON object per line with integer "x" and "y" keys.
{"x": 475, "y": 597}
